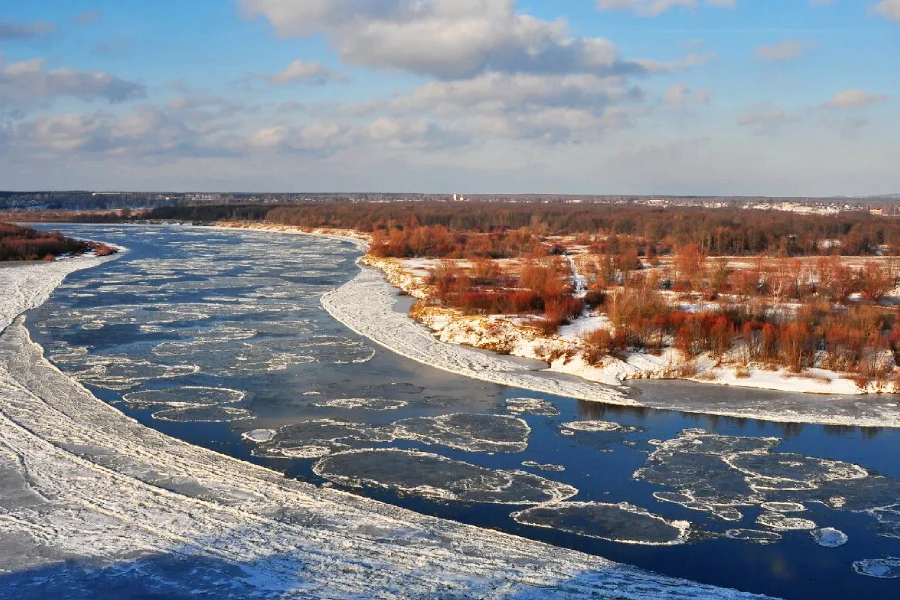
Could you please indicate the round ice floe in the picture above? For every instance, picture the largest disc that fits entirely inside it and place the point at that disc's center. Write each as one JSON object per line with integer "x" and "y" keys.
{"x": 189, "y": 394}
{"x": 438, "y": 477}
{"x": 124, "y": 373}
{"x": 259, "y": 435}
{"x": 467, "y": 432}
{"x": 363, "y": 403}
{"x": 600, "y": 427}
{"x": 622, "y": 523}
{"x": 779, "y": 522}
{"x": 753, "y": 535}
{"x": 882, "y": 568}
{"x": 829, "y": 537}
{"x": 783, "y": 507}
{"x": 543, "y": 467}
{"x": 203, "y": 414}
{"x": 294, "y": 440}
{"x": 794, "y": 467}
{"x": 531, "y": 406}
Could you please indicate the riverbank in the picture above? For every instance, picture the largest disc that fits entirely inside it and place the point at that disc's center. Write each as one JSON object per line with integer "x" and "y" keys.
{"x": 564, "y": 353}
{"x": 366, "y": 305}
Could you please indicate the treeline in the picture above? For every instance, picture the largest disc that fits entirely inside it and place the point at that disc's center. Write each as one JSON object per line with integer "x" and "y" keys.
{"x": 23, "y": 243}
{"x": 649, "y": 230}
{"x": 620, "y": 229}
{"x": 83, "y": 201}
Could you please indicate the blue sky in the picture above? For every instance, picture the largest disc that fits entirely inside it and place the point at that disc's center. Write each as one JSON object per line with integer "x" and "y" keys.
{"x": 769, "y": 97}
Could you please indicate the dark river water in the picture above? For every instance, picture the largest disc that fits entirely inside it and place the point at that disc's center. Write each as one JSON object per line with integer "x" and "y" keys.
{"x": 218, "y": 338}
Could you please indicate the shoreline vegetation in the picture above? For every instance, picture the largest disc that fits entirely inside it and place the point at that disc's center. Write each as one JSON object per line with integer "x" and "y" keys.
{"x": 611, "y": 293}
{"x": 587, "y": 345}
{"x": 24, "y": 244}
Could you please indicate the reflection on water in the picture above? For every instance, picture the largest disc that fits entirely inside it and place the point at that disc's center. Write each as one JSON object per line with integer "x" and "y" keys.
{"x": 217, "y": 337}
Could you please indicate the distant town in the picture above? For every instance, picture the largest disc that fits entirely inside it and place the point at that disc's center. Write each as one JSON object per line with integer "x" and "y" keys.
{"x": 885, "y": 205}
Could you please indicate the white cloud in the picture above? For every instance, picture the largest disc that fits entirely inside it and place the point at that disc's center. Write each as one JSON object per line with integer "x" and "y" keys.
{"x": 549, "y": 108}
{"x": 308, "y": 73}
{"x": 854, "y": 99}
{"x": 889, "y": 9}
{"x": 414, "y": 134}
{"x": 653, "y": 8}
{"x": 27, "y": 82}
{"x": 448, "y": 39}
{"x": 783, "y": 51}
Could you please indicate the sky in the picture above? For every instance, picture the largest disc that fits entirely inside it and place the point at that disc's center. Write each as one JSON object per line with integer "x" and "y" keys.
{"x": 706, "y": 97}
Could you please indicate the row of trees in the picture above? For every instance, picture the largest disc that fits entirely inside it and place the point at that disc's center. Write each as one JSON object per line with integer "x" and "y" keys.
{"x": 718, "y": 232}
{"x": 24, "y": 243}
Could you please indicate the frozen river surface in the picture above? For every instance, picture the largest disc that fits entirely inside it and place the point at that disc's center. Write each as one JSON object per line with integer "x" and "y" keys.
{"x": 151, "y": 407}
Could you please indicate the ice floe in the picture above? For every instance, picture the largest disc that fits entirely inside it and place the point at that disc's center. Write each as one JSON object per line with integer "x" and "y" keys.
{"x": 438, "y": 477}
{"x": 882, "y": 568}
{"x": 829, "y": 537}
{"x": 467, "y": 432}
{"x": 201, "y": 413}
{"x": 601, "y": 427}
{"x": 293, "y": 441}
{"x": 531, "y": 406}
{"x": 781, "y": 522}
{"x": 543, "y": 467}
{"x": 259, "y": 435}
{"x": 378, "y": 404}
{"x": 783, "y": 507}
{"x": 754, "y": 535}
{"x": 184, "y": 395}
{"x": 622, "y": 523}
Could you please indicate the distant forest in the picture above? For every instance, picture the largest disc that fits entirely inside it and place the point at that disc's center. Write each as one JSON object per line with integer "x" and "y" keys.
{"x": 438, "y": 229}
{"x": 446, "y": 229}
{"x": 23, "y": 243}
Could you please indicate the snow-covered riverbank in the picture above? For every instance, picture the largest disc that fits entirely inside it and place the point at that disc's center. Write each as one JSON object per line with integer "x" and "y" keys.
{"x": 366, "y": 305}
{"x": 89, "y": 496}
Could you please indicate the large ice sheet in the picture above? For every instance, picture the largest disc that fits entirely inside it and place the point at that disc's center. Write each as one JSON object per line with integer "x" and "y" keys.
{"x": 434, "y": 476}
{"x": 622, "y": 523}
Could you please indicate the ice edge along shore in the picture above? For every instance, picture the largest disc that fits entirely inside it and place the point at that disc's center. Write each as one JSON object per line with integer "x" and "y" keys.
{"x": 366, "y": 306}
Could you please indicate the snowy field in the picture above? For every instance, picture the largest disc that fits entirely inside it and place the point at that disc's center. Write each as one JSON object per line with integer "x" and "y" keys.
{"x": 95, "y": 505}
